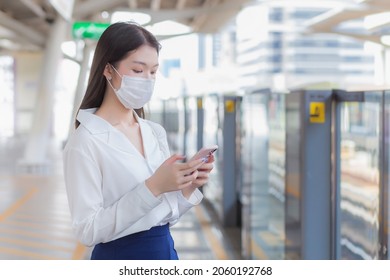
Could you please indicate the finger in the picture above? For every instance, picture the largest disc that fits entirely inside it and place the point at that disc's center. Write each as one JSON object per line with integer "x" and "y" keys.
{"x": 185, "y": 185}
{"x": 190, "y": 166}
{"x": 195, "y": 163}
{"x": 206, "y": 166}
{"x": 192, "y": 176}
{"x": 174, "y": 158}
{"x": 200, "y": 182}
{"x": 202, "y": 175}
{"x": 185, "y": 178}
{"x": 190, "y": 171}
{"x": 210, "y": 159}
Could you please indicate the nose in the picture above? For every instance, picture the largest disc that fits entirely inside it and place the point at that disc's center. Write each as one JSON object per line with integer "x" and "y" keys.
{"x": 148, "y": 75}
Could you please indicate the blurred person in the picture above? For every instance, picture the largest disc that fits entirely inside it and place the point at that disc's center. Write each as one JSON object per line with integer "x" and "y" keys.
{"x": 124, "y": 189}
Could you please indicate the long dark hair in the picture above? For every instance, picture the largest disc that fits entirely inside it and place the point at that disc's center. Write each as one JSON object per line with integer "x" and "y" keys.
{"x": 114, "y": 45}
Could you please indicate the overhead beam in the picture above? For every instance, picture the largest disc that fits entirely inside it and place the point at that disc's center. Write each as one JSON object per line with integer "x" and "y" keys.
{"x": 15, "y": 42}
{"x": 327, "y": 21}
{"x": 34, "y": 7}
{"x": 133, "y": 4}
{"x": 155, "y": 5}
{"x": 199, "y": 20}
{"x": 180, "y": 4}
{"x": 22, "y": 30}
{"x": 384, "y": 5}
{"x": 217, "y": 14}
{"x": 362, "y": 37}
{"x": 170, "y": 14}
{"x": 92, "y": 7}
{"x": 174, "y": 14}
{"x": 377, "y": 21}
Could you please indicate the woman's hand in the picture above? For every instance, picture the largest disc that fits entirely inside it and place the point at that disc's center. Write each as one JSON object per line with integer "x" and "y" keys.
{"x": 202, "y": 178}
{"x": 173, "y": 175}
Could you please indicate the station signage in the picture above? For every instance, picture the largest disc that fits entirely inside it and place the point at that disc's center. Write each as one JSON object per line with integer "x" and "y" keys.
{"x": 88, "y": 30}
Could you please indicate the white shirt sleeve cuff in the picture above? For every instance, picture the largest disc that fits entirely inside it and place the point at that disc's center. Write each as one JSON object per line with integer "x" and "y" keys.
{"x": 195, "y": 198}
{"x": 147, "y": 196}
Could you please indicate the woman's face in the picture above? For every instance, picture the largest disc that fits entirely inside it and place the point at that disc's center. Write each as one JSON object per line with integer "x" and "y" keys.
{"x": 142, "y": 63}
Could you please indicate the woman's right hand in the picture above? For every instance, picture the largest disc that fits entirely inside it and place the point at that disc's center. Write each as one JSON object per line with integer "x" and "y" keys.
{"x": 173, "y": 175}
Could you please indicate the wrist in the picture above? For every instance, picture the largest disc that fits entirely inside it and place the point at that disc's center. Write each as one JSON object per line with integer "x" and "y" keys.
{"x": 152, "y": 186}
{"x": 187, "y": 192}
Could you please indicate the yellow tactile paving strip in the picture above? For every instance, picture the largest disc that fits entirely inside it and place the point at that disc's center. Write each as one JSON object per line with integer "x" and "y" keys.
{"x": 208, "y": 230}
{"x": 17, "y": 204}
{"x": 35, "y": 220}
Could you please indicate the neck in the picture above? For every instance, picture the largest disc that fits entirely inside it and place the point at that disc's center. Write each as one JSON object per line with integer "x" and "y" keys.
{"x": 114, "y": 112}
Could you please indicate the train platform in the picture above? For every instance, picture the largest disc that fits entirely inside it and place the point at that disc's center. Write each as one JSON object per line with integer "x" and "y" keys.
{"x": 300, "y": 112}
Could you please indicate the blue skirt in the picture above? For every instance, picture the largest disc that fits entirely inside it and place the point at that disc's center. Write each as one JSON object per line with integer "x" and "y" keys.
{"x": 153, "y": 244}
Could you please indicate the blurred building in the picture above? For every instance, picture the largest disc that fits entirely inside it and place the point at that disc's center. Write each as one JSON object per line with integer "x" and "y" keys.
{"x": 272, "y": 46}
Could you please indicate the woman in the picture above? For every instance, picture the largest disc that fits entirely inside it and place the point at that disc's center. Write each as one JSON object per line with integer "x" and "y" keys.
{"x": 124, "y": 188}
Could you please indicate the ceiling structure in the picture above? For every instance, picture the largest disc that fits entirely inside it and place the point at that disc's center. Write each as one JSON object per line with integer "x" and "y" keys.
{"x": 377, "y": 10}
{"x": 25, "y": 24}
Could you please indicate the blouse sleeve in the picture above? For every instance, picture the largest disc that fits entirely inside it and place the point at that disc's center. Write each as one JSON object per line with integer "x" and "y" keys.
{"x": 92, "y": 222}
{"x": 186, "y": 204}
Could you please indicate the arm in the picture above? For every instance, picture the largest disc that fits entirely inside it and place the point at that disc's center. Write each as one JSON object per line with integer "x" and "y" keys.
{"x": 94, "y": 223}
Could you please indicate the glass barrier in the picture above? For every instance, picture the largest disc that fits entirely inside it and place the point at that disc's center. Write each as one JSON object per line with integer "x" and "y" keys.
{"x": 385, "y": 198}
{"x": 191, "y": 132}
{"x": 277, "y": 171}
{"x": 171, "y": 121}
{"x": 154, "y": 111}
{"x": 359, "y": 178}
{"x": 262, "y": 175}
{"x": 212, "y": 135}
{"x": 293, "y": 219}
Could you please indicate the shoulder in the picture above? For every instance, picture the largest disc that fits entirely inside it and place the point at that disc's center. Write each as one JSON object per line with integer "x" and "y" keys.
{"x": 157, "y": 128}
{"x": 81, "y": 139}
{"x": 161, "y": 136}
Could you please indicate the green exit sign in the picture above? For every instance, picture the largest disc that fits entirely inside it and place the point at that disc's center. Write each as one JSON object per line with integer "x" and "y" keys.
{"x": 88, "y": 30}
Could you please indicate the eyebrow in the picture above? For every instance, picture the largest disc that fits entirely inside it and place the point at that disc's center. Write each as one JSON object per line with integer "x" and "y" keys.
{"x": 143, "y": 63}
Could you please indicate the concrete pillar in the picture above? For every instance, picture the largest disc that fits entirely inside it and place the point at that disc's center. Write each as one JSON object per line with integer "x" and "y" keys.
{"x": 81, "y": 84}
{"x": 35, "y": 155}
{"x": 28, "y": 67}
{"x": 379, "y": 67}
{"x": 386, "y": 58}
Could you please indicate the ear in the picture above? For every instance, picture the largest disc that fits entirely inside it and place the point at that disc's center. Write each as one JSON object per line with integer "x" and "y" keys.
{"x": 108, "y": 71}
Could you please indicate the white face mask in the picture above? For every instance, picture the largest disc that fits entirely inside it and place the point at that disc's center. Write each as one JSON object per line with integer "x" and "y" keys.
{"x": 134, "y": 92}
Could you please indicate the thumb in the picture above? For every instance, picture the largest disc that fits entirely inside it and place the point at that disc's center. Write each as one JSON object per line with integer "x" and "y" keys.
{"x": 174, "y": 158}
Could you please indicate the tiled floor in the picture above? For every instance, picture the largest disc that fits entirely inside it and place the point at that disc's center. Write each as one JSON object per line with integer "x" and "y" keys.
{"x": 35, "y": 220}
{"x": 198, "y": 236}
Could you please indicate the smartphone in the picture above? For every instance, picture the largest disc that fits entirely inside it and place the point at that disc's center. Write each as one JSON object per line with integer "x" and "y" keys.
{"x": 205, "y": 153}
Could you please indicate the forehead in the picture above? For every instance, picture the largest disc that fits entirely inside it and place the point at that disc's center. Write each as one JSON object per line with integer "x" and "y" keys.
{"x": 143, "y": 55}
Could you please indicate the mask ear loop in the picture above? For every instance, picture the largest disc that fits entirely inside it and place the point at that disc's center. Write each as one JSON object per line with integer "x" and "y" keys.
{"x": 115, "y": 70}
{"x": 109, "y": 79}
{"x": 109, "y": 82}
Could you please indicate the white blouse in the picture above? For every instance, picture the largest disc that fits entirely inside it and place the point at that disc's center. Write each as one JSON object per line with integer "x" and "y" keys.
{"x": 105, "y": 181}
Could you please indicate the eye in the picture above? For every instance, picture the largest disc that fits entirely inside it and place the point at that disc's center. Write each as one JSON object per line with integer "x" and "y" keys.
{"x": 137, "y": 71}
